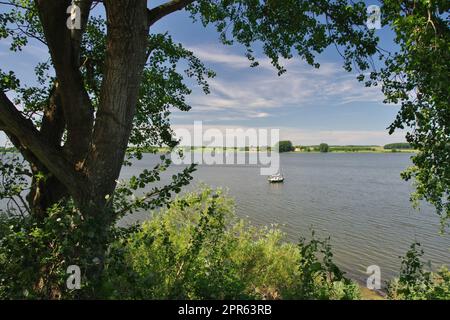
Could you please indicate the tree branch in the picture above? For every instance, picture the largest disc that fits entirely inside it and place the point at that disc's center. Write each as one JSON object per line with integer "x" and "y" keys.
{"x": 64, "y": 47}
{"x": 29, "y": 137}
{"x": 167, "y": 8}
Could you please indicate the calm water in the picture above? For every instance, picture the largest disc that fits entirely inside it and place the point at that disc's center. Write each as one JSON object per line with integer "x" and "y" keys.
{"x": 357, "y": 199}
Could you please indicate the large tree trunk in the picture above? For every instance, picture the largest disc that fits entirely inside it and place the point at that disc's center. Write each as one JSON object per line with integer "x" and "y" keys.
{"x": 125, "y": 60}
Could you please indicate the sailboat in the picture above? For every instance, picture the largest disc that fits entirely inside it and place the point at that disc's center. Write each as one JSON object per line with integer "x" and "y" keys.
{"x": 276, "y": 178}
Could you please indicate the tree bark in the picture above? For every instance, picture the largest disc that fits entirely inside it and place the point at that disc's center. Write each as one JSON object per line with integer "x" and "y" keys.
{"x": 125, "y": 59}
{"x": 48, "y": 191}
{"x": 34, "y": 145}
{"x": 64, "y": 47}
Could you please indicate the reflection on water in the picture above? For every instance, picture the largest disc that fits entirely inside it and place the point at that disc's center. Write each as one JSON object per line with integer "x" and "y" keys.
{"x": 357, "y": 199}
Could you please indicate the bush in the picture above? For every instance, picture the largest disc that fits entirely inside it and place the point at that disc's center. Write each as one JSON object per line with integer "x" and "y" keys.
{"x": 416, "y": 283}
{"x": 322, "y": 279}
{"x": 198, "y": 249}
{"x": 195, "y": 249}
{"x": 35, "y": 254}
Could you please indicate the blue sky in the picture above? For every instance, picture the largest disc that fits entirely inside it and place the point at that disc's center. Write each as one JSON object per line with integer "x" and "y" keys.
{"x": 309, "y": 106}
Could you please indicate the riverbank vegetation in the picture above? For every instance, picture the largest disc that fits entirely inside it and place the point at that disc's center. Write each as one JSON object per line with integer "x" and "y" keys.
{"x": 196, "y": 248}
{"x": 199, "y": 249}
{"x": 415, "y": 282}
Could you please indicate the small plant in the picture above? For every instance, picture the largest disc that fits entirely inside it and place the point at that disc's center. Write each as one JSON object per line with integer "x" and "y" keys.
{"x": 321, "y": 278}
{"x": 416, "y": 283}
{"x": 35, "y": 254}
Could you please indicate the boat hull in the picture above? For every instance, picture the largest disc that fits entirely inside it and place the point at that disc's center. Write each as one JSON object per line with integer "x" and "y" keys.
{"x": 276, "y": 181}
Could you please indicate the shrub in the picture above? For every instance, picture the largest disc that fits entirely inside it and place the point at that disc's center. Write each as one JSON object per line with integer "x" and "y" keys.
{"x": 35, "y": 254}
{"x": 198, "y": 249}
{"x": 416, "y": 283}
{"x": 195, "y": 249}
{"x": 322, "y": 279}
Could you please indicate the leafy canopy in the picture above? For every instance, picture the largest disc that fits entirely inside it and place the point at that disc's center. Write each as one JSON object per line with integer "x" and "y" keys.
{"x": 417, "y": 78}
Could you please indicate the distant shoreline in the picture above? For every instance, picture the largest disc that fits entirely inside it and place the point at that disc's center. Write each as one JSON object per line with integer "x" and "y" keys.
{"x": 229, "y": 150}
{"x": 381, "y": 151}
{"x": 240, "y": 150}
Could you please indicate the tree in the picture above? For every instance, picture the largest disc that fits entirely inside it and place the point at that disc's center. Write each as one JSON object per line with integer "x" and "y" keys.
{"x": 285, "y": 146}
{"x": 416, "y": 78}
{"x": 323, "y": 147}
{"x": 399, "y": 145}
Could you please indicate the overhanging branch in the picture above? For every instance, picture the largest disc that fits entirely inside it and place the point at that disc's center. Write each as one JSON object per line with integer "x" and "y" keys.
{"x": 29, "y": 137}
{"x": 167, "y": 8}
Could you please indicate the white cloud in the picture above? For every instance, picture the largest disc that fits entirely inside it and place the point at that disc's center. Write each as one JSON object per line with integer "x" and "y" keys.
{"x": 311, "y": 137}
{"x": 212, "y": 54}
{"x": 246, "y": 92}
{"x": 341, "y": 137}
{"x": 260, "y": 115}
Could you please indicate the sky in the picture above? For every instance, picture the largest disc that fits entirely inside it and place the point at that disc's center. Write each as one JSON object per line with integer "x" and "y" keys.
{"x": 308, "y": 105}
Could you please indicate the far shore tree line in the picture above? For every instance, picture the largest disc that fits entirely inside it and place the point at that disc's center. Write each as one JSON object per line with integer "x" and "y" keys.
{"x": 283, "y": 146}
{"x": 288, "y": 146}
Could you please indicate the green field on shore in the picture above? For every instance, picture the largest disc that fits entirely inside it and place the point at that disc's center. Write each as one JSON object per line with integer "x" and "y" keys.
{"x": 354, "y": 149}
{"x": 302, "y": 149}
